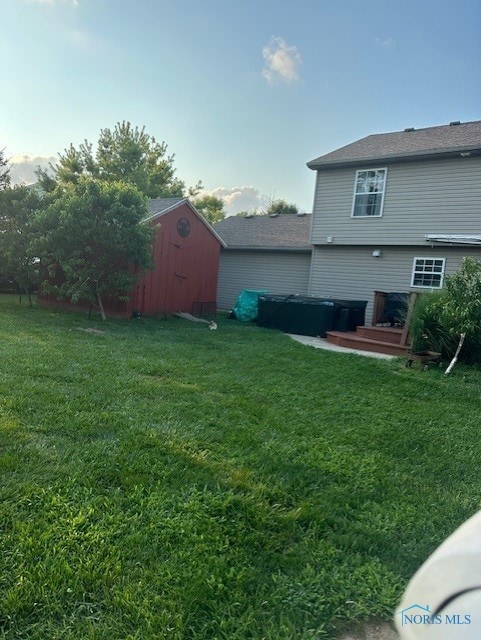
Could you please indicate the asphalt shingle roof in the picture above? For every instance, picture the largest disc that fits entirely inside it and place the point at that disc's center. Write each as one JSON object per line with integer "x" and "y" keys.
{"x": 285, "y": 231}
{"x": 158, "y": 205}
{"x": 398, "y": 145}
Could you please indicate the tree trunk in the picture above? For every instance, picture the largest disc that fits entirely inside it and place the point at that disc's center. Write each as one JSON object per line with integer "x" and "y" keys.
{"x": 27, "y": 291}
{"x": 455, "y": 359}
{"x": 101, "y": 306}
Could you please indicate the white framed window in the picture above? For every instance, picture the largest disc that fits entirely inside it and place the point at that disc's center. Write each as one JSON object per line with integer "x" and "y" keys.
{"x": 428, "y": 273}
{"x": 369, "y": 189}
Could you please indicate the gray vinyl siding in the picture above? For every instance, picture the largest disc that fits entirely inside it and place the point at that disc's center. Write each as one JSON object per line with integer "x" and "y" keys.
{"x": 353, "y": 273}
{"x": 275, "y": 271}
{"x": 436, "y": 196}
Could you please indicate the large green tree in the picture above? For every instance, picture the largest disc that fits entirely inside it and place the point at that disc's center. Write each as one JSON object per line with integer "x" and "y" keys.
{"x": 4, "y": 171}
{"x": 18, "y": 261}
{"x": 92, "y": 241}
{"x": 126, "y": 154}
{"x": 275, "y": 208}
{"x": 281, "y": 206}
{"x": 211, "y": 207}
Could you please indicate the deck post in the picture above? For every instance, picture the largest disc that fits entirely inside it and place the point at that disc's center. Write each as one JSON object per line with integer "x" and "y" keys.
{"x": 412, "y": 301}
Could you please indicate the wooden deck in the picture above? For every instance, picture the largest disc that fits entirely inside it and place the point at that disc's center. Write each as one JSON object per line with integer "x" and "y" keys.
{"x": 377, "y": 339}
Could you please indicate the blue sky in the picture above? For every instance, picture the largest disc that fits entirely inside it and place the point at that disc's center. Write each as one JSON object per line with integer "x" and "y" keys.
{"x": 244, "y": 93}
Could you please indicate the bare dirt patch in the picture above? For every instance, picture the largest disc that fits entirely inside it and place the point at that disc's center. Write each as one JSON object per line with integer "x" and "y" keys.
{"x": 372, "y": 631}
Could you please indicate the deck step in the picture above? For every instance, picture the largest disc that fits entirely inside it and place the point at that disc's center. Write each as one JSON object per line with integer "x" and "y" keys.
{"x": 383, "y": 334}
{"x": 353, "y": 340}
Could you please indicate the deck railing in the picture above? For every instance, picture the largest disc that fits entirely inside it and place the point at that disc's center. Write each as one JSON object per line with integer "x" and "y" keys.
{"x": 378, "y": 312}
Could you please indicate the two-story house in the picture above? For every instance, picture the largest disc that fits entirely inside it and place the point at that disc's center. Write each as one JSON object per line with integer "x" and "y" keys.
{"x": 396, "y": 211}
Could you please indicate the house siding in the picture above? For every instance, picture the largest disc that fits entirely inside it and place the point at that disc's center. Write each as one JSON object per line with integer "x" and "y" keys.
{"x": 353, "y": 273}
{"x": 275, "y": 271}
{"x": 437, "y": 196}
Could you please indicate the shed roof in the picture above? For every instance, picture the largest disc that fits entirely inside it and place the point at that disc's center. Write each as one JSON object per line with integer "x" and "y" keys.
{"x": 450, "y": 139}
{"x": 161, "y": 205}
{"x": 283, "y": 232}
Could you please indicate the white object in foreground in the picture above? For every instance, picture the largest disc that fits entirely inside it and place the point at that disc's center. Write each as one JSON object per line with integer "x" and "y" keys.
{"x": 443, "y": 599}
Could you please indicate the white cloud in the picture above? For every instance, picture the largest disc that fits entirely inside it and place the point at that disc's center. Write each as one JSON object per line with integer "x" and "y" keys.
{"x": 282, "y": 61}
{"x": 385, "y": 43}
{"x": 241, "y": 199}
{"x": 22, "y": 168}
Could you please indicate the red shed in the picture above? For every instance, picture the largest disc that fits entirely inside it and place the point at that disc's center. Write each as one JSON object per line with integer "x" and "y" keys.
{"x": 186, "y": 256}
{"x": 186, "y": 253}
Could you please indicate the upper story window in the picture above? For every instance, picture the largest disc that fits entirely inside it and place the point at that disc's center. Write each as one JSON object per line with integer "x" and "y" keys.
{"x": 428, "y": 273}
{"x": 369, "y": 188}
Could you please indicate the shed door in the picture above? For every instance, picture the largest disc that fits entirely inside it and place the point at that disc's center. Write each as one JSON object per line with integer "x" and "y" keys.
{"x": 185, "y": 277}
{"x": 175, "y": 278}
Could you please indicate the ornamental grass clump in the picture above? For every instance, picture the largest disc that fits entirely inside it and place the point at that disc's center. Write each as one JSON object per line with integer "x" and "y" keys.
{"x": 427, "y": 330}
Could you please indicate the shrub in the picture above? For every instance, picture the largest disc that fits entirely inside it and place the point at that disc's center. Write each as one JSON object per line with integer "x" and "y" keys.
{"x": 439, "y": 318}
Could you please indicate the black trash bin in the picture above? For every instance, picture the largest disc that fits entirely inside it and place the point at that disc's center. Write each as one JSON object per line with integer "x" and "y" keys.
{"x": 296, "y": 314}
{"x": 309, "y": 315}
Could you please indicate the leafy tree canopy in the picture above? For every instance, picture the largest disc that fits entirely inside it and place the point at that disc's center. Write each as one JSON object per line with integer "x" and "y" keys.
{"x": 18, "y": 261}
{"x": 281, "y": 206}
{"x": 124, "y": 154}
{"x": 4, "y": 171}
{"x": 90, "y": 236}
{"x": 248, "y": 214}
{"x": 275, "y": 208}
{"x": 210, "y": 207}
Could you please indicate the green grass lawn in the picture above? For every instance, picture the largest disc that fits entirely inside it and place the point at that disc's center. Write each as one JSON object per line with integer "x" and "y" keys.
{"x": 166, "y": 481}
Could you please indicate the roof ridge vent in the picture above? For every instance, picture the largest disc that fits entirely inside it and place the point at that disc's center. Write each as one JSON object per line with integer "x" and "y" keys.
{"x": 454, "y": 123}
{"x": 410, "y": 129}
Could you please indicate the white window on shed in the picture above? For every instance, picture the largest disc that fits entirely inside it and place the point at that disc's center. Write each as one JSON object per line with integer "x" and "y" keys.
{"x": 428, "y": 273}
{"x": 369, "y": 189}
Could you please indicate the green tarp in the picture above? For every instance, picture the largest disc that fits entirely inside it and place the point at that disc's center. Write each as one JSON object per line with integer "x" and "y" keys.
{"x": 245, "y": 309}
